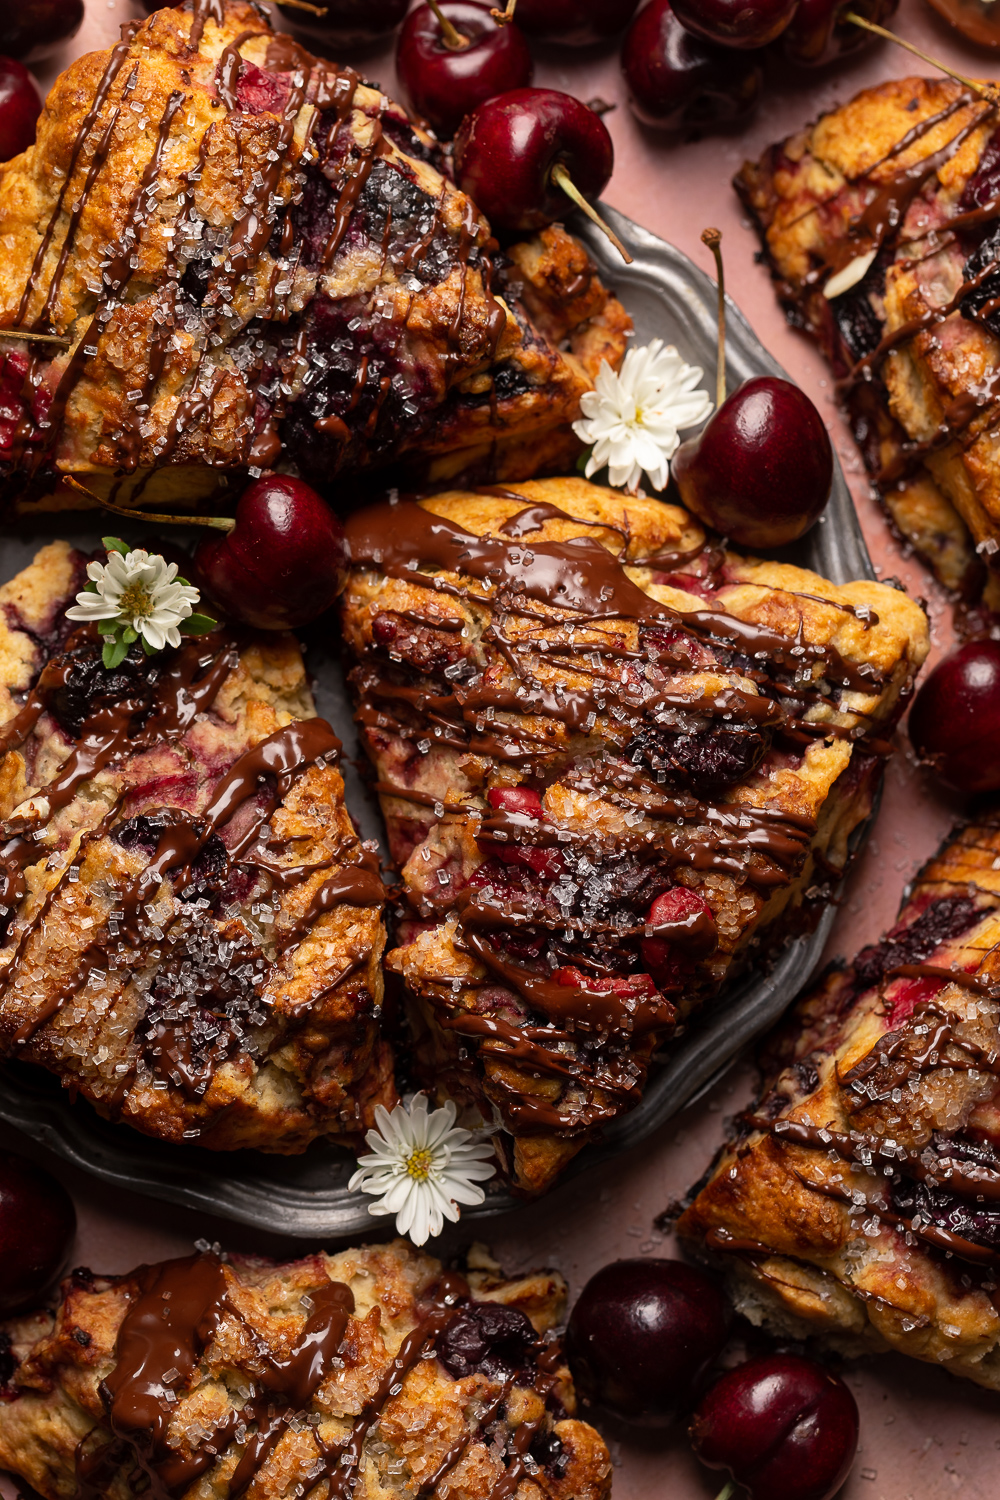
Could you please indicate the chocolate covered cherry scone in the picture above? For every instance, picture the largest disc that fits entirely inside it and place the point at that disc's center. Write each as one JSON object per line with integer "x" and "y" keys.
{"x": 616, "y": 762}
{"x": 191, "y": 928}
{"x": 860, "y": 1199}
{"x": 881, "y": 224}
{"x": 255, "y": 258}
{"x": 370, "y": 1373}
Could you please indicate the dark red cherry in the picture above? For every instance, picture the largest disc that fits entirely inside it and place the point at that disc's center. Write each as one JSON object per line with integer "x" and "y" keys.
{"x": 783, "y": 1426}
{"x": 37, "y": 1225}
{"x": 31, "y": 29}
{"x": 20, "y": 107}
{"x": 676, "y": 80}
{"x": 443, "y": 83}
{"x": 642, "y": 1335}
{"x": 816, "y": 33}
{"x": 507, "y": 150}
{"x": 347, "y": 23}
{"x": 736, "y": 23}
{"x": 955, "y": 718}
{"x": 760, "y": 472}
{"x": 283, "y": 563}
{"x": 574, "y": 23}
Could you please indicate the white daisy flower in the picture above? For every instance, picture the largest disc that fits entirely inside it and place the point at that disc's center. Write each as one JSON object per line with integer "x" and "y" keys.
{"x": 423, "y": 1166}
{"x": 137, "y": 595}
{"x": 633, "y": 418}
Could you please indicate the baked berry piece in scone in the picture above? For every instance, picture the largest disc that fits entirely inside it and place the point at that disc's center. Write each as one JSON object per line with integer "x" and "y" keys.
{"x": 254, "y": 257}
{"x": 370, "y": 1373}
{"x": 191, "y": 928}
{"x": 613, "y": 758}
{"x": 881, "y": 223}
{"x": 861, "y": 1198}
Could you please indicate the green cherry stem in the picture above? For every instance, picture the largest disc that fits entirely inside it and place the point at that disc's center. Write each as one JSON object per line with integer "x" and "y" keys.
{"x": 713, "y": 239}
{"x": 727, "y": 1491}
{"x": 988, "y": 91}
{"x": 220, "y": 523}
{"x": 35, "y": 338}
{"x": 562, "y": 179}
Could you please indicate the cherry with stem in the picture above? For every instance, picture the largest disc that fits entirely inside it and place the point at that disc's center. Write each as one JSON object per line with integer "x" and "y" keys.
{"x": 760, "y": 472}
{"x": 281, "y": 560}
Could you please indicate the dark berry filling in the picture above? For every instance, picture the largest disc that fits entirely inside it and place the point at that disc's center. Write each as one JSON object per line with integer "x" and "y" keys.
{"x": 486, "y": 1338}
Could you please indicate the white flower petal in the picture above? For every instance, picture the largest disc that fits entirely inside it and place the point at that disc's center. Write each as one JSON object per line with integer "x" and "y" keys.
{"x": 632, "y": 418}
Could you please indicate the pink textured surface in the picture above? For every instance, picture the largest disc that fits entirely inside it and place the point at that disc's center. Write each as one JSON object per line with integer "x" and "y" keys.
{"x": 924, "y": 1435}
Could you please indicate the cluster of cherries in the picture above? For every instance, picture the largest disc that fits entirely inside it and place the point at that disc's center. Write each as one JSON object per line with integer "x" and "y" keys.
{"x": 642, "y": 1342}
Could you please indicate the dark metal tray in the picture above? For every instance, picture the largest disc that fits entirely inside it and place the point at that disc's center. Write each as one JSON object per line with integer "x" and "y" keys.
{"x": 668, "y": 297}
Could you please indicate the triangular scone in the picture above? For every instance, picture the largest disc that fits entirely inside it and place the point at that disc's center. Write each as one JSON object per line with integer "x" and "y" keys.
{"x": 372, "y": 1372}
{"x": 190, "y": 929}
{"x": 255, "y": 258}
{"x": 607, "y": 787}
{"x": 860, "y": 1200}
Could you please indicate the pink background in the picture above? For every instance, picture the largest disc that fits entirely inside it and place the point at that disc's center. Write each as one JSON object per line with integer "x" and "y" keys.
{"x": 924, "y": 1435}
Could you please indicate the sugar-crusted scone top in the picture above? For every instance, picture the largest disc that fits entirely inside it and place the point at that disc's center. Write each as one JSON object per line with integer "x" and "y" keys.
{"x": 364, "y": 1373}
{"x": 611, "y": 758}
{"x": 253, "y": 253}
{"x": 191, "y": 928}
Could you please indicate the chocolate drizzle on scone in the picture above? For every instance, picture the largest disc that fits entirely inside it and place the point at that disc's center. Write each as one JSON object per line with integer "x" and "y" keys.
{"x": 253, "y": 253}
{"x": 353, "y": 1373}
{"x": 882, "y": 1099}
{"x": 575, "y": 751}
{"x": 210, "y": 905}
{"x": 911, "y": 333}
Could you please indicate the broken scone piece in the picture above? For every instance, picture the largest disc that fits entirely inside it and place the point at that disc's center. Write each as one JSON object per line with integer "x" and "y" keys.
{"x": 190, "y": 928}
{"x": 616, "y": 762}
{"x": 881, "y": 224}
{"x": 860, "y": 1200}
{"x": 370, "y": 1373}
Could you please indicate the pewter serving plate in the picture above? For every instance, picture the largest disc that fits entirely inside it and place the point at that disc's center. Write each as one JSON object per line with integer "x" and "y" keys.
{"x": 668, "y": 297}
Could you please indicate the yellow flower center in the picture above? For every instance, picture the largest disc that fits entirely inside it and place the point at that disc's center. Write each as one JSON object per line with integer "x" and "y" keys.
{"x": 418, "y": 1165}
{"x": 136, "y": 601}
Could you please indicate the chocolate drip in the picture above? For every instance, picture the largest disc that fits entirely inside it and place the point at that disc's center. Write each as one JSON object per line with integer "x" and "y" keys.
{"x": 355, "y": 885}
{"x": 578, "y": 575}
{"x": 175, "y": 1316}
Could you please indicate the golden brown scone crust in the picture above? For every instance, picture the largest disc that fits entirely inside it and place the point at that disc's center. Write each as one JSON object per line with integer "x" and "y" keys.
{"x": 274, "y": 996}
{"x": 239, "y": 250}
{"x": 923, "y": 409}
{"x": 916, "y": 1112}
{"x": 54, "y": 1401}
{"x": 441, "y": 772}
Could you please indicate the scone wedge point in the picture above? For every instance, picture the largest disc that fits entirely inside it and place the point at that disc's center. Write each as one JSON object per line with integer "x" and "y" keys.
{"x": 881, "y": 223}
{"x": 858, "y": 1202}
{"x": 191, "y": 928}
{"x": 617, "y": 763}
{"x": 255, "y": 257}
{"x": 364, "y": 1374}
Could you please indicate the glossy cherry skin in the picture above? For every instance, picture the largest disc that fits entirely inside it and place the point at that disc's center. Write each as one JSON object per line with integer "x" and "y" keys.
{"x": 347, "y": 23}
{"x": 667, "y": 961}
{"x": 20, "y": 107}
{"x": 736, "y": 23}
{"x": 760, "y": 472}
{"x": 443, "y": 85}
{"x": 283, "y": 564}
{"x": 642, "y": 1335}
{"x": 31, "y": 29}
{"x": 817, "y": 35}
{"x": 37, "y": 1225}
{"x": 506, "y": 149}
{"x": 677, "y": 81}
{"x": 783, "y": 1426}
{"x": 955, "y": 718}
{"x": 574, "y": 23}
